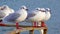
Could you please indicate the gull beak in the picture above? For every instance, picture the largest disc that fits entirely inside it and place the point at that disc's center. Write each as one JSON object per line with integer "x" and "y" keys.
{"x": 50, "y": 11}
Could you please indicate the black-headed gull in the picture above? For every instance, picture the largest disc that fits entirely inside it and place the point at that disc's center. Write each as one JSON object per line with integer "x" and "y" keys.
{"x": 36, "y": 16}
{"x": 48, "y": 14}
{"x": 5, "y": 11}
{"x": 47, "y": 17}
{"x": 17, "y": 16}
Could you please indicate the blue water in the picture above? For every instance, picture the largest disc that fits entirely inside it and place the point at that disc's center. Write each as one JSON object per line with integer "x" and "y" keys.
{"x": 53, "y": 24}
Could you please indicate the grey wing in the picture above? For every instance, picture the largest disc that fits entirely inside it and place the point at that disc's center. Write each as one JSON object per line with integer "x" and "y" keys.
{"x": 30, "y": 15}
{"x": 12, "y": 17}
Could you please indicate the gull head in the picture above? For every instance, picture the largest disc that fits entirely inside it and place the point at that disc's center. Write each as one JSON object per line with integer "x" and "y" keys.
{"x": 38, "y": 9}
{"x": 43, "y": 10}
{"x": 4, "y": 7}
{"x": 24, "y": 7}
{"x": 48, "y": 9}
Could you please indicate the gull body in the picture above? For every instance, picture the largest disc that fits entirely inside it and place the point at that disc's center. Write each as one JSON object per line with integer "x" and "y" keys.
{"x": 36, "y": 16}
{"x": 47, "y": 17}
{"x": 5, "y": 11}
{"x": 48, "y": 14}
{"x": 17, "y": 16}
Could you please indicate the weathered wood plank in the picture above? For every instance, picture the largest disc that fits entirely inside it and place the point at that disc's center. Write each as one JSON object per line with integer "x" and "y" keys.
{"x": 25, "y": 28}
{"x": 31, "y": 31}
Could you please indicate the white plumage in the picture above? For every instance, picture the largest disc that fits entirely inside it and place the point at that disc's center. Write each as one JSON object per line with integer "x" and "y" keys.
{"x": 48, "y": 14}
{"x": 47, "y": 17}
{"x": 17, "y": 16}
{"x": 37, "y": 15}
{"x": 5, "y": 11}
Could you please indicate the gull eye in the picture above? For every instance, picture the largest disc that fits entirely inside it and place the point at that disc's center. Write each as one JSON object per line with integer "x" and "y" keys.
{"x": 27, "y": 9}
{"x": 36, "y": 9}
{"x": 3, "y": 8}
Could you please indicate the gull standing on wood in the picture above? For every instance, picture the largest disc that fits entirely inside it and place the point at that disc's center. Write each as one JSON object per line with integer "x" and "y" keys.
{"x": 17, "y": 16}
{"x": 5, "y": 11}
{"x": 42, "y": 17}
{"x": 48, "y": 14}
{"x": 47, "y": 17}
{"x": 36, "y": 16}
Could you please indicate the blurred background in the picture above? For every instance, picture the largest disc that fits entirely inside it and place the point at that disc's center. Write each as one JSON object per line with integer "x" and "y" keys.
{"x": 53, "y": 24}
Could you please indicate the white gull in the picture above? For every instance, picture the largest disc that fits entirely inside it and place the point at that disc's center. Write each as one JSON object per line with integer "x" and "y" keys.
{"x": 5, "y": 11}
{"x": 47, "y": 17}
{"x": 48, "y": 14}
{"x": 36, "y": 16}
{"x": 17, "y": 16}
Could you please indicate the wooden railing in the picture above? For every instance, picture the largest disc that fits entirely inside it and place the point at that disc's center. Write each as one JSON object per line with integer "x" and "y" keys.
{"x": 24, "y": 28}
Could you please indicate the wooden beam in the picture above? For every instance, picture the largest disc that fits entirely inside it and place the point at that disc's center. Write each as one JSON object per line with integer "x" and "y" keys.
{"x": 43, "y": 31}
{"x": 18, "y": 33}
{"x": 31, "y": 31}
{"x": 14, "y": 25}
{"x": 24, "y": 28}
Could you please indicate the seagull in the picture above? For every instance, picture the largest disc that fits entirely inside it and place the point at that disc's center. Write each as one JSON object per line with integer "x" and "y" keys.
{"x": 47, "y": 17}
{"x": 5, "y": 11}
{"x": 36, "y": 16}
{"x": 17, "y": 16}
{"x": 42, "y": 17}
{"x": 48, "y": 14}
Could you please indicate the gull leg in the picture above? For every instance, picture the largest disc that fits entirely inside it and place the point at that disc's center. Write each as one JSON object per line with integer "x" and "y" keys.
{"x": 34, "y": 24}
{"x": 43, "y": 24}
{"x": 17, "y": 25}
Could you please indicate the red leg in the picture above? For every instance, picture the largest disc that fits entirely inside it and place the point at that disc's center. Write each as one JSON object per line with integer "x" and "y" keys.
{"x": 43, "y": 24}
{"x": 34, "y": 24}
{"x": 17, "y": 25}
